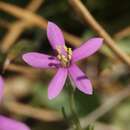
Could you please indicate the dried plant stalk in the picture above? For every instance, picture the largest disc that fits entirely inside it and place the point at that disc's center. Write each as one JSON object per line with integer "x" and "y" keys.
{"x": 89, "y": 19}
{"x": 18, "y": 27}
{"x": 29, "y": 111}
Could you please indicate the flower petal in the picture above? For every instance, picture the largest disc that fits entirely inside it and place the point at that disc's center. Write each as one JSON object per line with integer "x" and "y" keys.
{"x": 40, "y": 60}
{"x": 57, "y": 83}
{"x": 87, "y": 49}
{"x": 55, "y": 36}
{"x": 80, "y": 79}
{"x": 1, "y": 86}
{"x": 9, "y": 124}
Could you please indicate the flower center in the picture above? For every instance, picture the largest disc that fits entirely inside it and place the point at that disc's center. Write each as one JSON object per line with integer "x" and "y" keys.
{"x": 65, "y": 59}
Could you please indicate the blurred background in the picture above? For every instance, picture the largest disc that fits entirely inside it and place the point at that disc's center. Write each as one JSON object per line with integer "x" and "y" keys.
{"x": 23, "y": 29}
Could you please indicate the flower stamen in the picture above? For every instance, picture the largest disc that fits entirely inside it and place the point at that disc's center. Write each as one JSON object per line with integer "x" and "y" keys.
{"x": 64, "y": 59}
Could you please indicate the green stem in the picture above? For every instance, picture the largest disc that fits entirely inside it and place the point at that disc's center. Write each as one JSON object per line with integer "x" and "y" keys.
{"x": 73, "y": 110}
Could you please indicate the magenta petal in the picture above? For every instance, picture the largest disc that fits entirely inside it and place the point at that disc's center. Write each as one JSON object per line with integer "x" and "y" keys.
{"x": 55, "y": 35}
{"x": 9, "y": 124}
{"x": 80, "y": 79}
{"x": 87, "y": 49}
{"x": 1, "y": 86}
{"x": 40, "y": 60}
{"x": 57, "y": 83}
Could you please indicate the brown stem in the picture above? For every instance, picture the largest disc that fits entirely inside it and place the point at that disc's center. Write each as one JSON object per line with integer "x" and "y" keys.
{"x": 89, "y": 19}
{"x": 123, "y": 33}
{"x": 35, "y": 20}
{"x": 18, "y": 27}
{"x": 105, "y": 107}
{"x": 33, "y": 112}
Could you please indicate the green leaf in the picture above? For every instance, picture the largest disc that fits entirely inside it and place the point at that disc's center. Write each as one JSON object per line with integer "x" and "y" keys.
{"x": 85, "y": 103}
{"x": 40, "y": 98}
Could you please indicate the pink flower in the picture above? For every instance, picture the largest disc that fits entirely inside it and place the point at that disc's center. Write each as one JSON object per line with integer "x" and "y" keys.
{"x": 10, "y": 124}
{"x": 1, "y": 87}
{"x": 64, "y": 62}
{"x": 7, "y": 123}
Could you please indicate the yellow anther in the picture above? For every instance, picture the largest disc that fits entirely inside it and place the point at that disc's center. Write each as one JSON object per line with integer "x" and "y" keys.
{"x": 62, "y": 56}
{"x": 69, "y": 57}
{"x": 59, "y": 57}
{"x": 65, "y": 48}
{"x": 59, "y": 48}
{"x": 64, "y": 59}
{"x": 69, "y": 51}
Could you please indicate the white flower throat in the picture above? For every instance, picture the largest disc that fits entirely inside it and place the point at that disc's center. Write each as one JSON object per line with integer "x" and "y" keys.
{"x": 64, "y": 59}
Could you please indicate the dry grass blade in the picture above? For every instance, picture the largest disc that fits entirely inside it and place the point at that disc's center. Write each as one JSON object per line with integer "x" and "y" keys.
{"x": 105, "y": 107}
{"x": 35, "y": 20}
{"x": 18, "y": 27}
{"x": 123, "y": 33}
{"x": 21, "y": 69}
{"x": 26, "y": 70}
{"x": 13, "y": 33}
{"x": 102, "y": 126}
{"x": 89, "y": 19}
{"x": 36, "y": 113}
{"x": 4, "y": 24}
{"x": 34, "y": 5}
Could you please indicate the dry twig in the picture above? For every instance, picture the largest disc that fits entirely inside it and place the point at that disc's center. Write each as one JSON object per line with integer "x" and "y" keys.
{"x": 89, "y": 19}
{"x": 105, "y": 107}
{"x": 29, "y": 111}
{"x": 4, "y": 24}
{"x": 21, "y": 69}
{"x": 123, "y": 33}
{"x": 26, "y": 70}
{"x": 18, "y": 27}
{"x": 35, "y": 20}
